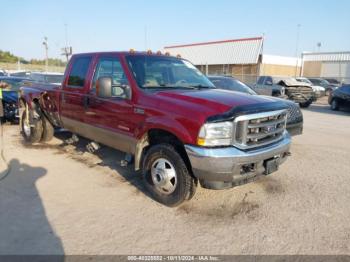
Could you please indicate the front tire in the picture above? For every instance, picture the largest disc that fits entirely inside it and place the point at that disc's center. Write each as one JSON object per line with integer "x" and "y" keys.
{"x": 335, "y": 105}
{"x": 31, "y": 129}
{"x": 305, "y": 104}
{"x": 166, "y": 176}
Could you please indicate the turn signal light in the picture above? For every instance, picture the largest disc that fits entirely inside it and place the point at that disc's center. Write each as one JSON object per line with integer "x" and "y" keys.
{"x": 200, "y": 141}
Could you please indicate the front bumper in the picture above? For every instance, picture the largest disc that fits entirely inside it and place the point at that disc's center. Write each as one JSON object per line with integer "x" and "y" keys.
{"x": 220, "y": 168}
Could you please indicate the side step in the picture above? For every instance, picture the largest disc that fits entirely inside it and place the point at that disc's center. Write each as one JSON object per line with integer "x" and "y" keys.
{"x": 92, "y": 147}
{"x": 127, "y": 160}
{"x": 72, "y": 140}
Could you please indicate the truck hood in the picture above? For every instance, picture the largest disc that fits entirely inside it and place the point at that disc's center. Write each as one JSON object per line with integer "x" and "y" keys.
{"x": 214, "y": 101}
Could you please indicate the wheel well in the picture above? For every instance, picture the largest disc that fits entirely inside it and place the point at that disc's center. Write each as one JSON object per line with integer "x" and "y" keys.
{"x": 159, "y": 136}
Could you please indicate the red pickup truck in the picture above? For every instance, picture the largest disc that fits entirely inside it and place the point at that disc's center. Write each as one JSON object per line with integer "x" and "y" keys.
{"x": 162, "y": 111}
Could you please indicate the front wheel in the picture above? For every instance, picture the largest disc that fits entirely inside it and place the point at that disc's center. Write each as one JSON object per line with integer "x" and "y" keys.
{"x": 166, "y": 176}
{"x": 31, "y": 127}
{"x": 305, "y": 104}
{"x": 335, "y": 105}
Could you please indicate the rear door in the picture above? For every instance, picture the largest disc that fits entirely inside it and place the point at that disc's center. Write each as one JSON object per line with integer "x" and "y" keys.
{"x": 74, "y": 89}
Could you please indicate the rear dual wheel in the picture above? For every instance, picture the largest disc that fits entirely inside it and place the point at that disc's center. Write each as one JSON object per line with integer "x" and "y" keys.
{"x": 35, "y": 128}
{"x": 31, "y": 127}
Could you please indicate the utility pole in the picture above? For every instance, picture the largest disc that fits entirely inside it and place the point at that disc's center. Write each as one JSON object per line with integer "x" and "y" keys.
{"x": 297, "y": 49}
{"x": 67, "y": 50}
{"x": 46, "y": 45}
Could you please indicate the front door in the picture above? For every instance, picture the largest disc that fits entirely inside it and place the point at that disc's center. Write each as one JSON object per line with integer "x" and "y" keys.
{"x": 112, "y": 118}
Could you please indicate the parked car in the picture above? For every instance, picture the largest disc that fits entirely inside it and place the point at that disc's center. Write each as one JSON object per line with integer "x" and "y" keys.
{"x": 319, "y": 90}
{"x": 165, "y": 113}
{"x": 324, "y": 83}
{"x": 340, "y": 97}
{"x": 2, "y": 72}
{"x": 288, "y": 87}
{"x": 10, "y": 97}
{"x": 295, "y": 116}
{"x": 46, "y": 77}
{"x": 20, "y": 73}
{"x": 333, "y": 82}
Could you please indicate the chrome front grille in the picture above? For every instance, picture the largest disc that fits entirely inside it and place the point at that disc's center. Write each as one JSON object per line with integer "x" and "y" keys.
{"x": 259, "y": 129}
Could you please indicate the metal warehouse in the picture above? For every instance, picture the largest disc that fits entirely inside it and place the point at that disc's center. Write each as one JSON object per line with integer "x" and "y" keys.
{"x": 241, "y": 58}
{"x": 327, "y": 64}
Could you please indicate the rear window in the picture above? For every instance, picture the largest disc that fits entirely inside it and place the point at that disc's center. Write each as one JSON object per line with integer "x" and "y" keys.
{"x": 79, "y": 71}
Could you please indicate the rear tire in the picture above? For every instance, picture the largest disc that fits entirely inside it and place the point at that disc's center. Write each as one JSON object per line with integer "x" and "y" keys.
{"x": 48, "y": 130}
{"x": 166, "y": 176}
{"x": 31, "y": 130}
{"x": 335, "y": 105}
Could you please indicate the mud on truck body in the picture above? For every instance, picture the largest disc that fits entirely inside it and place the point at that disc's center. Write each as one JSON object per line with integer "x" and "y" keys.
{"x": 179, "y": 129}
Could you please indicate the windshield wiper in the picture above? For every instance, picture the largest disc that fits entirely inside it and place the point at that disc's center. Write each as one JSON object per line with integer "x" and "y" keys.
{"x": 202, "y": 87}
{"x": 168, "y": 87}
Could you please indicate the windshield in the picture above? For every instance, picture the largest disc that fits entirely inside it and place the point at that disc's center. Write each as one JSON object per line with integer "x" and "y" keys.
{"x": 166, "y": 72}
{"x": 231, "y": 84}
{"x": 317, "y": 81}
{"x": 304, "y": 80}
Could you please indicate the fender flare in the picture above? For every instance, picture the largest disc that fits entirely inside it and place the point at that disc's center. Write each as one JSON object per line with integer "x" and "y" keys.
{"x": 160, "y": 123}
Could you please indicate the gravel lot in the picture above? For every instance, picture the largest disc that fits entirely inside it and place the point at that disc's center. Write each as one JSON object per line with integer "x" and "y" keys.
{"x": 60, "y": 199}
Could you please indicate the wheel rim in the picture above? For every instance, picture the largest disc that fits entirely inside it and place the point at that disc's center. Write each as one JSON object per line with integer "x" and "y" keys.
{"x": 164, "y": 176}
{"x": 26, "y": 127}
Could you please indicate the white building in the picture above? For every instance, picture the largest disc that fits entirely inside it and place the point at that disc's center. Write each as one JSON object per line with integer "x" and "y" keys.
{"x": 327, "y": 65}
{"x": 241, "y": 58}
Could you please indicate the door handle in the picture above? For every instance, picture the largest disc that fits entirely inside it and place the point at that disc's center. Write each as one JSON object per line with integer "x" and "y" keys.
{"x": 86, "y": 102}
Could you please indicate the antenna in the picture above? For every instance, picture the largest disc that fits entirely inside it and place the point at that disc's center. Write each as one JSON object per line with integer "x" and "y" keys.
{"x": 146, "y": 44}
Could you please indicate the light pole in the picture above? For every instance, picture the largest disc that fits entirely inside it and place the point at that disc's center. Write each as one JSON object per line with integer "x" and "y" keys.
{"x": 46, "y": 45}
{"x": 297, "y": 49}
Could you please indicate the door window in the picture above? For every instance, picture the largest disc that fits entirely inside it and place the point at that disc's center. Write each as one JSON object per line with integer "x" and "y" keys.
{"x": 111, "y": 67}
{"x": 268, "y": 81}
{"x": 261, "y": 80}
{"x": 80, "y": 67}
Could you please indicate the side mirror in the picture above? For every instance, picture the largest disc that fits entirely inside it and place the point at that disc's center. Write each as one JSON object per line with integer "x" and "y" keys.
{"x": 104, "y": 87}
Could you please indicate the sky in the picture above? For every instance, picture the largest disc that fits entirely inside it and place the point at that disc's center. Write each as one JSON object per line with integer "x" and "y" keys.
{"x": 107, "y": 25}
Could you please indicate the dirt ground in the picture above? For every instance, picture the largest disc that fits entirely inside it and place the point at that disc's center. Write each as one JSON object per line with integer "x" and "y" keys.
{"x": 60, "y": 199}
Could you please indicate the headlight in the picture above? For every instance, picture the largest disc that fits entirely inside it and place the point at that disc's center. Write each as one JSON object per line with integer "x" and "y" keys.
{"x": 215, "y": 134}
